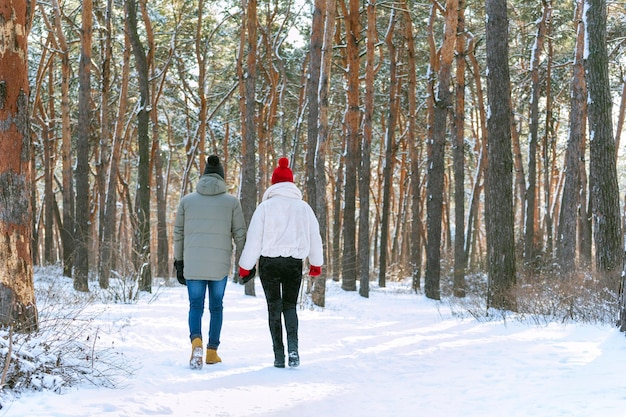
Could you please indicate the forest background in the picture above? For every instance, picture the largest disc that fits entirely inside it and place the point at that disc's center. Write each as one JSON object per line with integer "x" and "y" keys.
{"x": 470, "y": 146}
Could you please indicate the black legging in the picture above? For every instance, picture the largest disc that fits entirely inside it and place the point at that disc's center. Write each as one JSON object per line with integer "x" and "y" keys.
{"x": 281, "y": 279}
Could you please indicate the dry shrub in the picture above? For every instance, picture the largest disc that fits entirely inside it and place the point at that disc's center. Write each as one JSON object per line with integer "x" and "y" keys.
{"x": 543, "y": 298}
{"x": 69, "y": 348}
{"x": 575, "y": 297}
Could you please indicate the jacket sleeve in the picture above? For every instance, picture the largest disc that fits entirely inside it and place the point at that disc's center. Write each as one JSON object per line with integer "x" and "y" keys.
{"x": 254, "y": 240}
{"x": 179, "y": 232}
{"x": 316, "y": 252}
{"x": 238, "y": 226}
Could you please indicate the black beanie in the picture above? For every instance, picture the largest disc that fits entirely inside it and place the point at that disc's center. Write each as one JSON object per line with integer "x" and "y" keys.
{"x": 214, "y": 166}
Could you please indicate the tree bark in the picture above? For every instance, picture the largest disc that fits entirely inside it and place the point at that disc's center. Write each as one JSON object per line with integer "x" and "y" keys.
{"x": 434, "y": 188}
{"x": 353, "y": 30}
{"x": 328, "y": 11}
{"x": 18, "y": 307}
{"x": 530, "y": 238}
{"x": 110, "y": 210}
{"x": 366, "y": 144}
{"x": 248, "y": 170}
{"x": 460, "y": 259}
{"x": 550, "y": 173}
{"x": 312, "y": 87}
{"x": 603, "y": 184}
{"x": 67, "y": 229}
{"x": 415, "y": 243}
{"x": 83, "y": 229}
{"x": 498, "y": 195}
{"x": 142, "y": 198}
{"x": 568, "y": 217}
{"x": 473, "y": 218}
{"x": 49, "y": 200}
{"x": 336, "y": 259}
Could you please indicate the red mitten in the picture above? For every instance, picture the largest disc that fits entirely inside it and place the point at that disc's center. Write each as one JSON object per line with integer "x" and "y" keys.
{"x": 315, "y": 271}
{"x": 243, "y": 272}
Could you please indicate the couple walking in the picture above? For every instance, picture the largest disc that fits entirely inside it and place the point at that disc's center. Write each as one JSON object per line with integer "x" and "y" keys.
{"x": 283, "y": 232}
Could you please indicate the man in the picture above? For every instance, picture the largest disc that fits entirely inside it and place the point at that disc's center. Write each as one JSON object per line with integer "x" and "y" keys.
{"x": 207, "y": 222}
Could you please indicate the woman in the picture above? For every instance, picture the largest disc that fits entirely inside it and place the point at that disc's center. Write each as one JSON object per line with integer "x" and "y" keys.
{"x": 207, "y": 222}
{"x": 282, "y": 233}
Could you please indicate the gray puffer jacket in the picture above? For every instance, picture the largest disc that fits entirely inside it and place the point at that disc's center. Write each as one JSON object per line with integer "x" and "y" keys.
{"x": 207, "y": 222}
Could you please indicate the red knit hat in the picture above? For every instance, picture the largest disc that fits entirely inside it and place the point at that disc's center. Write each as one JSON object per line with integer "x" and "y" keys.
{"x": 282, "y": 173}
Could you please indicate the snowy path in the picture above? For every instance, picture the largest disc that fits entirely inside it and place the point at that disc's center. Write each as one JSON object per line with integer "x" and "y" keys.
{"x": 392, "y": 355}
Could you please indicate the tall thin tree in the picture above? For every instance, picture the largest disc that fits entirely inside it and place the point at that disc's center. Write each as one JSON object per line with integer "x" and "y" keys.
{"x": 499, "y": 179}
{"x": 435, "y": 186}
{"x": 312, "y": 87}
{"x": 107, "y": 253}
{"x": 460, "y": 258}
{"x": 248, "y": 79}
{"x": 83, "y": 229}
{"x": 603, "y": 184}
{"x": 366, "y": 144}
{"x": 415, "y": 240}
{"x": 530, "y": 238}
{"x": 388, "y": 165}
{"x": 328, "y": 12}
{"x": 352, "y": 116}
{"x": 571, "y": 198}
{"x": 67, "y": 229}
{"x": 142, "y": 197}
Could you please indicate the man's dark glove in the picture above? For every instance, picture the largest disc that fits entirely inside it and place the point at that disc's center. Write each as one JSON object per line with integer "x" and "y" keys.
{"x": 247, "y": 275}
{"x": 179, "y": 265}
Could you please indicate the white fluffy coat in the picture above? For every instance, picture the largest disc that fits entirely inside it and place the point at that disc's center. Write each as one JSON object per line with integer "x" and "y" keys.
{"x": 283, "y": 225}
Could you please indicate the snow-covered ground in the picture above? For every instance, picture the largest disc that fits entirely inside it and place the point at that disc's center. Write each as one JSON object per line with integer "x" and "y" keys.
{"x": 395, "y": 354}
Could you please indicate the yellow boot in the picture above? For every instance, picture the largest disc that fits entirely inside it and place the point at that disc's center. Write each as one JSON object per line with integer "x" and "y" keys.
{"x": 211, "y": 356}
{"x": 195, "y": 362}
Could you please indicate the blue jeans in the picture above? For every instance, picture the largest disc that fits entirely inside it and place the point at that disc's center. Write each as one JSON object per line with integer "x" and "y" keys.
{"x": 197, "y": 290}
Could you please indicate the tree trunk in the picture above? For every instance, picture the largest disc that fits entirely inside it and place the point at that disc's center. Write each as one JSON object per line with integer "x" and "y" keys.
{"x": 550, "y": 173}
{"x": 336, "y": 259}
{"x": 568, "y": 218}
{"x": 156, "y": 158}
{"x": 530, "y": 238}
{"x": 83, "y": 229}
{"x": 388, "y": 165}
{"x": 435, "y": 185}
{"x": 17, "y": 294}
{"x": 498, "y": 195}
{"x": 248, "y": 170}
{"x": 312, "y": 87}
{"x": 603, "y": 184}
{"x": 106, "y": 58}
{"x": 110, "y": 210}
{"x": 365, "y": 165}
{"x": 473, "y": 218}
{"x": 328, "y": 11}
{"x": 352, "y": 116}
{"x": 142, "y": 198}
{"x": 49, "y": 200}
{"x": 585, "y": 237}
{"x": 414, "y": 149}
{"x": 67, "y": 229}
{"x": 460, "y": 259}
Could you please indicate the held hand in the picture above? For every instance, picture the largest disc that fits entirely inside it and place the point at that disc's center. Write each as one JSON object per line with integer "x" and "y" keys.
{"x": 246, "y": 275}
{"x": 315, "y": 271}
{"x": 179, "y": 265}
{"x": 243, "y": 272}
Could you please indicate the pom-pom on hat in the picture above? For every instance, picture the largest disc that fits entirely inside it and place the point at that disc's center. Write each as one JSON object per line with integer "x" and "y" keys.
{"x": 214, "y": 166}
{"x": 282, "y": 173}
